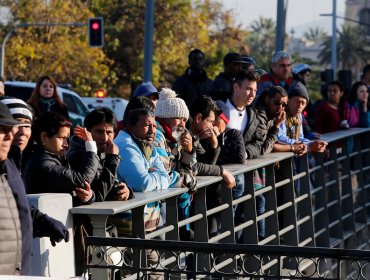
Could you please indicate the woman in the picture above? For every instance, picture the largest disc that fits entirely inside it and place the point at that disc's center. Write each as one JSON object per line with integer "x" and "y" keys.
{"x": 45, "y": 98}
{"x": 356, "y": 111}
{"x": 47, "y": 171}
{"x": 330, "y": 113}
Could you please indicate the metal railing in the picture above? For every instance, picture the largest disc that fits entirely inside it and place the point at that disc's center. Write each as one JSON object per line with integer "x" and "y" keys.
{"x": 318, "y": 200}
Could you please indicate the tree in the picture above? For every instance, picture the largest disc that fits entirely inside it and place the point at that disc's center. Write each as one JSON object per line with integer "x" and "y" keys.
{"x": 261, "y": 40}
{"x": 315, "y": 34}
{"x": 352, "y": 49}
{"x": 59, "y": 51}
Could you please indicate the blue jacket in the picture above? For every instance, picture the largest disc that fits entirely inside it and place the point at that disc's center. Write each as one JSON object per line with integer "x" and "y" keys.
{"x": 134, "y": 170}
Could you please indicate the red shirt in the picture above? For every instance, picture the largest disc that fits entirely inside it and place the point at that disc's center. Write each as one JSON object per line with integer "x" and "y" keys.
{"x": 327, "y": 118}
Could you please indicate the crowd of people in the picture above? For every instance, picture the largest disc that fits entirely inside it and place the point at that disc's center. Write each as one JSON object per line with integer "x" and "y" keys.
{"x": 164, "y": 140}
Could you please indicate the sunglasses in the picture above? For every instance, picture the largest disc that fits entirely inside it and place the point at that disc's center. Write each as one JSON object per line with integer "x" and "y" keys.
{"x": 283, "y": 104}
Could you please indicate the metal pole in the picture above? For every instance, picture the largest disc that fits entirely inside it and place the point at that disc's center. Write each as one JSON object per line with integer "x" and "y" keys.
{"x": 334, "y": 41}
{"x": 3, "y": 52}
{"x": 148, "y": 40}
{"x": 280, "y": 26}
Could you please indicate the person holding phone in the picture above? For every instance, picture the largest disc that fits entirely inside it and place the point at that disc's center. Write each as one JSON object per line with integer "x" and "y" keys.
{"x": 47, "y": 171}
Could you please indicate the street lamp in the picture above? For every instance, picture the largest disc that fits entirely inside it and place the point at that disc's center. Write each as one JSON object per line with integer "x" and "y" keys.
{"x": 333, "y": 38}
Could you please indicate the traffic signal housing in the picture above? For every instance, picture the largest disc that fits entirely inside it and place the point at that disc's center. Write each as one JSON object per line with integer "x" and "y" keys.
{"x": 95, "y": 28}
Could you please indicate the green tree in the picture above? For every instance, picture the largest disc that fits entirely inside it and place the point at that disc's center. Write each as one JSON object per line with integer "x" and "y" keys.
{"x": 261, "y": 40}
{"x": 352, "y": 49}
{"x": 56, "y": 50}
{"x": 315, "y": 34}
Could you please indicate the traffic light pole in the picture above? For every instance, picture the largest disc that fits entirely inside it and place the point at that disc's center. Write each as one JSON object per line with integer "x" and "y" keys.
{"x": 25, "y": 25}
{"x": 148, "y": 40}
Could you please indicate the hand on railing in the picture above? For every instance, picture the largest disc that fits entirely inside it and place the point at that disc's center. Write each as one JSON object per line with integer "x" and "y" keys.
{"x": 299, "y": 148}
{"x": 318, "y": 146}
{"x": 122, "y": 191}
{"x": 229, "y": 179}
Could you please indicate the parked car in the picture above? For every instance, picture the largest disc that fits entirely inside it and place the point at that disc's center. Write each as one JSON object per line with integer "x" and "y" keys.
{"x": 77, "y": 109}
{"x": 117, "y": 105}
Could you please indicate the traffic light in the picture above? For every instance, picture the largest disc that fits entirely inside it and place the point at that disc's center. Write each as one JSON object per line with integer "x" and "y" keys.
{"x": 95, "y": 32}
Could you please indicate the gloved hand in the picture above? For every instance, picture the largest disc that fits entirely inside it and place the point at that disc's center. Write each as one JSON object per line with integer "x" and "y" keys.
{"x": 52, "y": 228}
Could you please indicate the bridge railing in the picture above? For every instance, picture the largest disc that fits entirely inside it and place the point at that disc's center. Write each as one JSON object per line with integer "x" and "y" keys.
{"x": 317, "y": 200}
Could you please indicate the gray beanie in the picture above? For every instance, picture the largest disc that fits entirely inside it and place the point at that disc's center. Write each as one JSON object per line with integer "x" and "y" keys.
{"x": 170, "y": 106}
{"x": 298, "y": 89}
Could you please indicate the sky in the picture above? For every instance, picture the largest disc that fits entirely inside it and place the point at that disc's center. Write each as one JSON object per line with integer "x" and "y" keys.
{"x": 301, "y": 14}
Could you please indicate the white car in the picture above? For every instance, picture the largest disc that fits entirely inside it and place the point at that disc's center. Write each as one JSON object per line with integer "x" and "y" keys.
{"x": 77, "y": 110}
{"x": 117, "y": 105}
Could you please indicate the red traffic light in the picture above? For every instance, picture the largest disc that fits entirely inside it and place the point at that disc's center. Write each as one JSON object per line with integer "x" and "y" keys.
{"x": 95, "y": 26}
{"x": 100, "y": 93}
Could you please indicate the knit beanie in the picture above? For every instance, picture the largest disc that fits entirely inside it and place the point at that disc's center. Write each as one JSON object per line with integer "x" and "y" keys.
{"x": 298, "y": 89}
{"x": 170, "y": 106}
{"x": 18, "y": 108}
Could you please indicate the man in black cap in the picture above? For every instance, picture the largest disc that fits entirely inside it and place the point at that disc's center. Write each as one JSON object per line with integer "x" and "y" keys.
{"x": 28, "y": 220}
{"x": 222, "y": 87}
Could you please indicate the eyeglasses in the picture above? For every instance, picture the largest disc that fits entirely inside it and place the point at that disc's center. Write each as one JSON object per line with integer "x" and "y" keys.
{"x": 283, "y": 104}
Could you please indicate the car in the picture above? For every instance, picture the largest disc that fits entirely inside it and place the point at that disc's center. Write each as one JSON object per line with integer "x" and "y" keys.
{"x": 77, "y": 109}
{"x": 116, "y": 104}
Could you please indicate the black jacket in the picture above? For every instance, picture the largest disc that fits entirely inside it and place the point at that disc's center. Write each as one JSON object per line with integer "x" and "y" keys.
{"x": 222, "y": 87}
{"x": 206, "y": 160}
{"x": 48, "y": 173}
{"x": 191, "y": 85}
{"x": 254, "y": 134}
{"x": 266, "y": 123}
{"x": 107, "y": 168}
{"x": 232, "y": 147}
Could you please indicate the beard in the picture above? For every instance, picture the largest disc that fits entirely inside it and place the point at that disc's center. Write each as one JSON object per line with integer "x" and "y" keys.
{"x": 176, "y": 134}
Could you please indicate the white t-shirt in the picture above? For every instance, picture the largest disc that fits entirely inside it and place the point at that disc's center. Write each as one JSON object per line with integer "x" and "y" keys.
{"x": 238, "y": 118}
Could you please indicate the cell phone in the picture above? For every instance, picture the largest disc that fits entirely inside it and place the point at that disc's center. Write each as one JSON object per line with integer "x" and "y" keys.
{"x": 117, "y": 187}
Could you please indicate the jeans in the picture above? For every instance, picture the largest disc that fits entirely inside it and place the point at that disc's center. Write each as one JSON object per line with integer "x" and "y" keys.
{"x": 261, "y": 208}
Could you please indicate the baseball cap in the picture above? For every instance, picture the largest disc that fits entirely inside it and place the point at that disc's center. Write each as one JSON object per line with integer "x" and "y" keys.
{"x": 224, "y": 111}
{"x": 233, "y": 57}
{"x": 6, "y": 117}
{"x": 249, "y": 59}
{"x": 300, "y": 68}
{"x": 145, "y": 89}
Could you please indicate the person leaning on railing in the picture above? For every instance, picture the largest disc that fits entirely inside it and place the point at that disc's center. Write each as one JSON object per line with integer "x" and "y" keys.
{"x": 290, "y": 136}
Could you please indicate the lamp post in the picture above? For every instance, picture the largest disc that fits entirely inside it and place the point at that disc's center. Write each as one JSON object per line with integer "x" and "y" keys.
{"x": 333, "y": 38}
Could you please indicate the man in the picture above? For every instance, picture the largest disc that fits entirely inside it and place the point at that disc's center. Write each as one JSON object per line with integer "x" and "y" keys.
{"x": 142, "y": 168}
{"x": 243, "y": 116}
{"x": 195, "y": 81}
{"x": 302, "y": 72}
{"x": 21, "y": 225}
{"x": 270, "y": 109}
{"x": 204, "y": 114}
{"x": 33, "y": 222}
{"x": 101, "y": 123}
{"x": 250, "y": 63}
{"x": 290, "y": 137}
{"x": 223, "y": 85}
{"x": 175, "y": 147}
{"x": 147, "y": 89}
{"x": 279, "y": 75}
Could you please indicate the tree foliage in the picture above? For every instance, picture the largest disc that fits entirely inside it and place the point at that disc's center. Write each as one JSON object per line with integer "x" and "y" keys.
{"x": 56, "y": 50}
{"x": 63, "y": 52}
{"x": 352, "y": 48}
{"x": 315, "y": 34}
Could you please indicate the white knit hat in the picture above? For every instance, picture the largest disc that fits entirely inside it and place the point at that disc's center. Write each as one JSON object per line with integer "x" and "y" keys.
{"x": 169, "y": 106}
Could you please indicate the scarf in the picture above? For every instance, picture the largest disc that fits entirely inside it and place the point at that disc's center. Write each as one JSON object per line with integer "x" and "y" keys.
{"x": 166, "y": 130}
{"x": 46, "y": 104}
{"x": 293, "y": 126}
